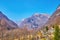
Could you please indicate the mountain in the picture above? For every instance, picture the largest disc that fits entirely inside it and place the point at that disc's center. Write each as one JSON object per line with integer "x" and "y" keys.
{"x": 6, "y": 23}
{"x": 55, "y": 18}
{"x": 35, "y": 21}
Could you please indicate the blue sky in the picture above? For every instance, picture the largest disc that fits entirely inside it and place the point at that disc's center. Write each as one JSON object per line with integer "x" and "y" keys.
{"x": 20, "y": 9}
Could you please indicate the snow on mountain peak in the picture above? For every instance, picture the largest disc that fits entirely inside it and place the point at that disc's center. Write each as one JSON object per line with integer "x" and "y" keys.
{"x": 36, "y": 14}
{"x": 22, "y": 19}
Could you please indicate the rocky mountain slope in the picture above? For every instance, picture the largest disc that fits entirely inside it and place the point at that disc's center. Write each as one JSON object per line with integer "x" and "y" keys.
{"x": 35, "y": 21}
{"x": 6, "y": 23}
{"x": 55, "y": 18}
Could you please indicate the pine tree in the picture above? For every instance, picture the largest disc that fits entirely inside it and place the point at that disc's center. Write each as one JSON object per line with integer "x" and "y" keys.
{"x": 57, "y": 33}
{"x": 47, "y": 28}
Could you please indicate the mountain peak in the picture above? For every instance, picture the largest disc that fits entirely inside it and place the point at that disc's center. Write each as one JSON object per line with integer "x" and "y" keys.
{"x": 58, "y": 7}
{"x": 41, "y": 15}
{"x": 36, "y": 14}
{"x": 35, "y": 21}
{"x": 6, "y": 22}
{"x": 55, "y": 18}
{"x": 1, "y": 14}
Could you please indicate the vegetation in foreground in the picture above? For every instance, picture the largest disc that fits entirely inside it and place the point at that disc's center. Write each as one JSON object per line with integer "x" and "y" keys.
{"x": 48, "y": 33}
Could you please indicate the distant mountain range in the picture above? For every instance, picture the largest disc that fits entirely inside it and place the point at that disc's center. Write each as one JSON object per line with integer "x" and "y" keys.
{"x": 5, "y": 23}
{"x": 35, "y": 21}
